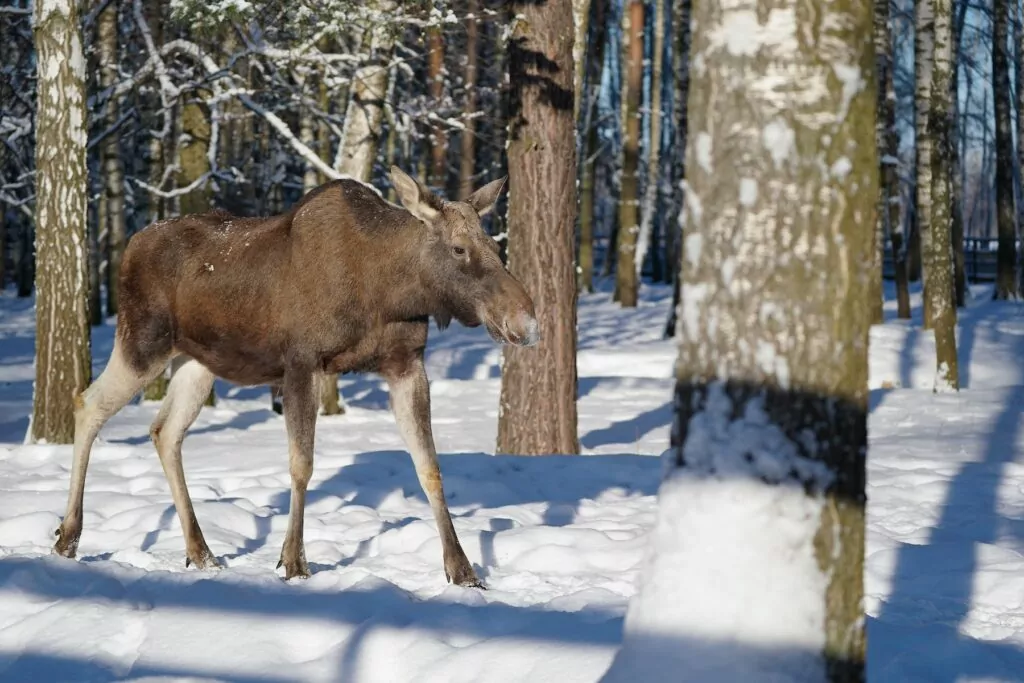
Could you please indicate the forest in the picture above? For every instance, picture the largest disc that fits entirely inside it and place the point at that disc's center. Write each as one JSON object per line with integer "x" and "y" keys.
{"x": 753, "y": 306}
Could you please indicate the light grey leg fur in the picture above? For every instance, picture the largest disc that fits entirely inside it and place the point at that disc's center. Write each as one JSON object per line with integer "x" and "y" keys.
{"x": 410, "y": 401}
{"x": 111, "y": 391}
{"x": 190, "y": 385}
{"x": 300, "y": 407}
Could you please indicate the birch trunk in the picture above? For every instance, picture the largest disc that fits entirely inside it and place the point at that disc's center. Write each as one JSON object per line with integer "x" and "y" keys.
{"x": 358, "y": 147}
{"x": 770, "y": 431}
{"x": 650, "y": 206}
{"x": 936, "y": 244}
{"x": 63, "y": 356}
{"x": 924, "y": 49}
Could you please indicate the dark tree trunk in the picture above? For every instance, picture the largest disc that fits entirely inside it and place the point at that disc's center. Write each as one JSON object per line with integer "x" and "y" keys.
{"x": 537, "y": 410}
{"x": 467, "y": 162}
{"x": 681, "y": 28}
{"x": 595, "y": 62}
{"x": 438, "y": 174}
{"x": 1006, "y": 273}
{"x": 627, "y": 283}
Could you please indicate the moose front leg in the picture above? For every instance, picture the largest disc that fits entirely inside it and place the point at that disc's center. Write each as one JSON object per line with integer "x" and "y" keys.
{"x": 410, "y": 401}
{"x": 300, "y": 420}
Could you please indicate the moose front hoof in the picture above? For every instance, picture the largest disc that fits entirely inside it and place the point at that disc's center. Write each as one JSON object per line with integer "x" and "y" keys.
{"x": 67, "y": 542}
{"x": 202, "y": 559}
{"x": 294, "y": 567}
{"x": 465, "y": 577}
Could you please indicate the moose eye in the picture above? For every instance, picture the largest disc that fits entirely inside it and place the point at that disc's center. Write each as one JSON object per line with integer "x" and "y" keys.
{"x": 459, "y": 251}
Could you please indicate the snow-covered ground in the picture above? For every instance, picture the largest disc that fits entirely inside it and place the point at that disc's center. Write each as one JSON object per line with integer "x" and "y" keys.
{"x": 559, "y": 541}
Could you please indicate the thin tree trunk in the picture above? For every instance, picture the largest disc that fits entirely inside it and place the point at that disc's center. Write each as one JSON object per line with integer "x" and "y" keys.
{"x": 653, "y": 163}
{"x": 438, "y": 175}
{"x": 956, "y": 181}
{"x": 63, "y": 359}
{"x": 595, "y": 64}
{"x": 537, "y": 409}
{"x": 1019, "y": 42}
{"x": 467, "y": 141}
{"x": 1006, "y": 275}
{"x": 358, "y": 148}
{"x": 626, "y": 280}
{"x": 936, "y": 242}
{"x": 883, "y": 65}
{"x": 113, "y": 166}
{"x": 581, "y": 21}
{"x": 770, "y": 431}
{"x": 681, "y": 66}
{"x": 924, "y": 48}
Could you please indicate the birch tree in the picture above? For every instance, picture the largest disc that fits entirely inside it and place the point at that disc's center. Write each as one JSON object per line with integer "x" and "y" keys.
{"x": 626, "y": 280}
{"x": 359, "y": 140}
{"x": 1006, "y": 276}
{"x": 936, "y": 241}
{"x": 924, "y": 49}
{"x": 765, "y": 484}
{"x": 650, "y": 204}
{"x": 63, "y": 359}
{"x": 537, "y": 409}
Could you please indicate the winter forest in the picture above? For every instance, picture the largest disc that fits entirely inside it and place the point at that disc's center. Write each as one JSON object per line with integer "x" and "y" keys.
{"x": 545, "y": 340}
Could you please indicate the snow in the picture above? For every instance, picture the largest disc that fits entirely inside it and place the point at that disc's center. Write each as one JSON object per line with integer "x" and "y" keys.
{"x": 561, "y": 542}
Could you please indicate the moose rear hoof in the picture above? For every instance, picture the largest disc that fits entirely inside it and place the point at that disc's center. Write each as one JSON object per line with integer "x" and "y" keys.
{"x": 294, "y": 567}
{"x": 465, "y": 577}
{"x": 201, "y": 559}
{"x": 67, "y": 542}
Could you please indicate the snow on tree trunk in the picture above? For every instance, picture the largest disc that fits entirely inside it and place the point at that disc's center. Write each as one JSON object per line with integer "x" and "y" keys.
{"x": 936, "y": 242}
{"x": 63, "y": 355}
{"x": 113, "y": 166}
{"x": 755, "y": 566}
{"x": 467, "y": 139}
{"x": 653, "y": 162}
{"x": 924, "y": 48}
{"x": 1006, "y": 275}
{"x": 537, "y": 408}
{"x": 626, "y": 280}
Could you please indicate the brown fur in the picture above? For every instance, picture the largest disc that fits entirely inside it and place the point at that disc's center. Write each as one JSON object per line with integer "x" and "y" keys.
{"x": 344, "y": 282}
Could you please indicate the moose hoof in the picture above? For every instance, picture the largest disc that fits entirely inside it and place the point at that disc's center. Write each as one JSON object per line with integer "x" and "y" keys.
{"x": 294, "y": 567}
{"x": 201, "y": 559}
{"x": 67, "y": 542}
{"x": 465, "y": 577}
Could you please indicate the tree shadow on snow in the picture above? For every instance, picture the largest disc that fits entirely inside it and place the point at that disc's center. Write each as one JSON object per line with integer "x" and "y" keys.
{"x": 917, "y": 632}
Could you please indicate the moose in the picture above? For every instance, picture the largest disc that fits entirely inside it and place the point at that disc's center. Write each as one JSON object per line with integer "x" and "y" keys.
{"x": 345, "y": 281}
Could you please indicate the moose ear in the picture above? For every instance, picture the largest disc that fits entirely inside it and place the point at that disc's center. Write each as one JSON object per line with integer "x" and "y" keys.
{"x": 483, "y": 199}
{"x": 419, "y": 200}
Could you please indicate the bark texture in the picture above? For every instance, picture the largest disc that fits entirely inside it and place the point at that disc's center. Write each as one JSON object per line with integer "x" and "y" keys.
{"x": 1006, "y": 275}
{"x": 936, "y": 243}
{"x": 924, "y": 49}
{"x": 113, "y": 166}
{"x": 467, "y": 141}
{"x": 537, "y": 410}
{"x": 650, "y": 205}
{"x": 682, "y": 12}
{"x": 595, "y": 61}
{"x": 435, "y": 86}
{"x": 776, "y": 268}
{"x": 626, "y": 280}
{"x": 63, "y": 355}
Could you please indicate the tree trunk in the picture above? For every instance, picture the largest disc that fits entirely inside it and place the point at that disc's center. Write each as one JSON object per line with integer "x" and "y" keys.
{"x": 924, "y": 49}
{"x": 358, "y": 148}
{"x": 650, "y": 205}
{"x": 1019, "y": 42}
{"x": 626, "y": 281}
{"x": 1006, "y": 275}
{"x": 438, "y": 175}
{"x": 581, "y": 22}
{"x": 889, "y": 209}
{"x": 770, "y": 432}
{"x": 467, "y": 138}
{"x": 595, "y": 64}
{"x": 681, "y": 66}
{"x": 537, "y": 410}
{"x": 63, "y": 359}
{"x": 883, "y": 66}
{"x": 194, "y": 163}
{"x": 113, "y": 166}
{"x": 936, "y": 243}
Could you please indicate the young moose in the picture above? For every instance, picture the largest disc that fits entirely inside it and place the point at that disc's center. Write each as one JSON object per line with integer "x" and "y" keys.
{"x": 344, "y": 282}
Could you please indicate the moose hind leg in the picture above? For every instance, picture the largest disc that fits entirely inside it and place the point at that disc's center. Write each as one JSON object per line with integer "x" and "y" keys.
{"x": 410, "y": 401}
{"x": 300, "y": 407}
{"x": 190, "y": 385}
{"x": 111, "y": 391}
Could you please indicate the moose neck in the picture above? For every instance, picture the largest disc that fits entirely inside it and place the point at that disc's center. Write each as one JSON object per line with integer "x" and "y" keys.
{"x": 412, "y": 290}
